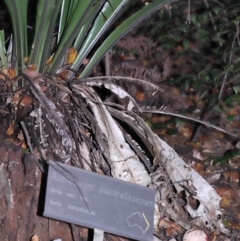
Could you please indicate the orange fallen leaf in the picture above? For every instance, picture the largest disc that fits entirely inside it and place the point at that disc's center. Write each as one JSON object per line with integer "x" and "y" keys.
{"x": 49, "y": 60}
{"x": 71, "y": 55}
{"x": 24, "y": 146}
{"x": 32, "y": 67}
{"x": 195, "y": 145}
{"x": 10, "y": 129}
{"x": 27, "y": 100}
{"x": 11, "y": 73}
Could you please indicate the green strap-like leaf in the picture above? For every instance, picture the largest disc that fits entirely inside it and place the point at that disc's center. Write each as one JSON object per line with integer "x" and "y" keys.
{"x": 121, "y": 31}
{"x": 3, "y": 50}
{"x": 75, "y": 24}
{"x": 110, "y": 9}
{"x": 48, "y": 40}
{"x": 47, "y": 11}
{"x": 18, "y": 13}
{"x": 87, "y": 25}
{"x": 67, "y": 10}
{"x": 63, "y": 18}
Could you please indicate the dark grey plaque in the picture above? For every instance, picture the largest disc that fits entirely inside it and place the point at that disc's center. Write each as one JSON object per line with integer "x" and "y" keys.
{"x": 97, "y": 201}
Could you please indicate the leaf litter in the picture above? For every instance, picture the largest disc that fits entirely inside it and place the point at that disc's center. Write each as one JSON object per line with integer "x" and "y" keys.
{"x": 184, "y": 199}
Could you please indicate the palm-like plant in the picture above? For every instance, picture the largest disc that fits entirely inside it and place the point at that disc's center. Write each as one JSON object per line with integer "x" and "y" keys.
{"x": 68, "y": 116}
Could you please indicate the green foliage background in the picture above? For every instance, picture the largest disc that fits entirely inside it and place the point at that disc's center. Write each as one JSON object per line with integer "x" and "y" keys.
{"x": 206, "y": 34}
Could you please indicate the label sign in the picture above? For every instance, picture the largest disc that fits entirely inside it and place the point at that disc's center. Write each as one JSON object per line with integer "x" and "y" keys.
{"x": 96, "y": 201}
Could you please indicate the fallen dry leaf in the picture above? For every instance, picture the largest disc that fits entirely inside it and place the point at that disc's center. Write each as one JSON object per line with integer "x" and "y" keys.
{"x": 197, "y": 155}
{"x": 24, "y": 146}
{"x": 71, "y": 55}
{"x": 26, "y": 100}
{"x": 11, "y": 73}
{"x": 49, "y": 60}
{"x": 10, "y": 129}
{"x": 213, "y": 177}
{"x": 20, "y": 135}
{"x": 32, "y": 67}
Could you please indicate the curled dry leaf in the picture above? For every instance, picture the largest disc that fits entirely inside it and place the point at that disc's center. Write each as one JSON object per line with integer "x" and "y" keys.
{"x": 10, "y": 129}
{"x": 124, "y": 162}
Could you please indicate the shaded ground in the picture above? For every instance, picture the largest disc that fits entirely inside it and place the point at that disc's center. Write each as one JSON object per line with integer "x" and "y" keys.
{"x": 213, "y": 154}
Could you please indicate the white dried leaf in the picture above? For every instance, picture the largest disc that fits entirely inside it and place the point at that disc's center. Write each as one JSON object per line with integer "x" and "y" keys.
{"x": 185, "y": 178}
{"x": 85, "y": 156}
{"x": 125, "y": 164}
{"x": 119, "y": 91}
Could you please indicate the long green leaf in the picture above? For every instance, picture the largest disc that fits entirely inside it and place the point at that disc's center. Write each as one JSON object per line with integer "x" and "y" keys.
{"x": 63, "y": 18}
{"x": 3, "y": 50}
{"x": 74, "y": 26}
{"x": 119, "y": 32}
{"x": 48, "y": 40}
{"x": 47, "y": 11}
{"x": 67, "y": 10}
{"x": 87, "y": 25}
{"x": 18, "y": 13}
{"x": 107, "y": 15}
